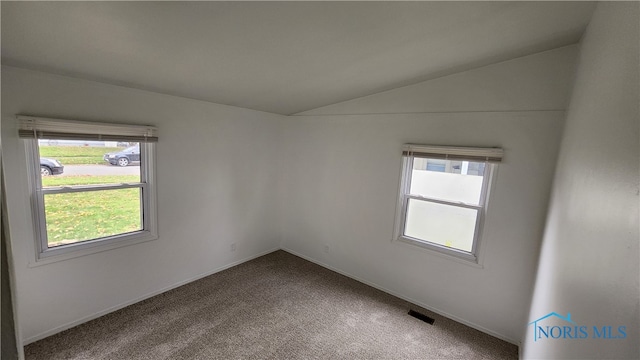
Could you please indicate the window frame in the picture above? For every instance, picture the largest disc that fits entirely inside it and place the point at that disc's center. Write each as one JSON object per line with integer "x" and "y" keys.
{"x": 405, "y": 195}
{"x": 46, "y": 254}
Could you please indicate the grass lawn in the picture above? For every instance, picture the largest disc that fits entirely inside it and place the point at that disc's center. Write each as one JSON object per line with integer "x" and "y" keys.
{"x": 77, "y": 155}
{"x": 48, "y": 181}
{"x": 74, "y": 217}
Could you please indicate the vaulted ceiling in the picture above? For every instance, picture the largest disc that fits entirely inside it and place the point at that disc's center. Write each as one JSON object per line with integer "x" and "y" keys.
{"x": 280, "y": 57}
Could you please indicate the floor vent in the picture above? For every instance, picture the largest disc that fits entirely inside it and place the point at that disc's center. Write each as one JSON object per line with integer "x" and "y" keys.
{"x": 422, "y": 317}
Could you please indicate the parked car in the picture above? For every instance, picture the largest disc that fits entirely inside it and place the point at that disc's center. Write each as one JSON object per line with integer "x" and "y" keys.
{"x": 124, "y": 157}
{"x": 50, "y": 167}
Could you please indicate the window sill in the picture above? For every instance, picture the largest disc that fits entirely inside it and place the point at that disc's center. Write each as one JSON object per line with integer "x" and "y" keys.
{"x": 71, "y": 251}
{"x": 441, "y": 251}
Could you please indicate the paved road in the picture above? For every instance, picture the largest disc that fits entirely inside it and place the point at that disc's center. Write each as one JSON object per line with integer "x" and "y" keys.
{"x": 100, "y": 170}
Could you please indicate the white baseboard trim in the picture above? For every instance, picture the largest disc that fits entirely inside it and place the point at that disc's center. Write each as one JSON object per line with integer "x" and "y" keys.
{"x": 413, "y": 301}
{"x": 96, "y": 315}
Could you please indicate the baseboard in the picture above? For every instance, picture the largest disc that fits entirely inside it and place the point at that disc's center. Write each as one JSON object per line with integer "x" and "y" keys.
{"x": 200, "y": 276}
{"x": 413, "y": 301}
{"x": 96, "y": 315}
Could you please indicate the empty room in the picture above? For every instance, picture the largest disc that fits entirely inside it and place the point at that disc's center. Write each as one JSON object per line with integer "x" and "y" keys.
{"x": 320, "y": 180}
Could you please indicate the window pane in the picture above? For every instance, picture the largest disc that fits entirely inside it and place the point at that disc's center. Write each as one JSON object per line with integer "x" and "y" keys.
{"x": 445, "y": 225}
{"x": 457, "y": 181}
{"x": 80, "y": 216}
{"x": 77, "y": 162}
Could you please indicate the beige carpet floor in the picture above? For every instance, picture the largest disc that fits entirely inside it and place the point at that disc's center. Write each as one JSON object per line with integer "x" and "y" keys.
{"x": 278, "y": 306}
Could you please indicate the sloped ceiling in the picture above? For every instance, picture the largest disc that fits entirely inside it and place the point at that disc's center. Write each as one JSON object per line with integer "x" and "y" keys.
{"x": 279, "y": 57}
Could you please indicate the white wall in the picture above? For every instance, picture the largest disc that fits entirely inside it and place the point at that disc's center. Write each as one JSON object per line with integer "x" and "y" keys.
{"x": 341, "y": 192}
{"x": 338, "y": 181}
{"x": 215, "y": 179}
{"x": 590, "y": 253}
{"x": 537, "y": 82}
{"x": 341, "y": 177}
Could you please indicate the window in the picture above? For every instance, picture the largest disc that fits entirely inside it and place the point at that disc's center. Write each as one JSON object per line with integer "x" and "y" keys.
{"x": 92, "y": 185}
{"x": 443, "y": 197}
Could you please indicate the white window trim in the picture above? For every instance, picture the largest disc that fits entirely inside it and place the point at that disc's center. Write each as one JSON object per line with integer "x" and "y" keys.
{"x": 45, "y": 255}
{"x": 404, "y": 196}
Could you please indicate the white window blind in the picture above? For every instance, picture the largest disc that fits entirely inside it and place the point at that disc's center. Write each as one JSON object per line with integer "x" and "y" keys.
{"x": 47, "y": 128}
{"x": 492, "y": 155}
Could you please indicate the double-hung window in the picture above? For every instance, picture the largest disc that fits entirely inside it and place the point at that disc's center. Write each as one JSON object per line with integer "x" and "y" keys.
{"x": 443, "y": 197}
{"x": 92, "y": 185}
